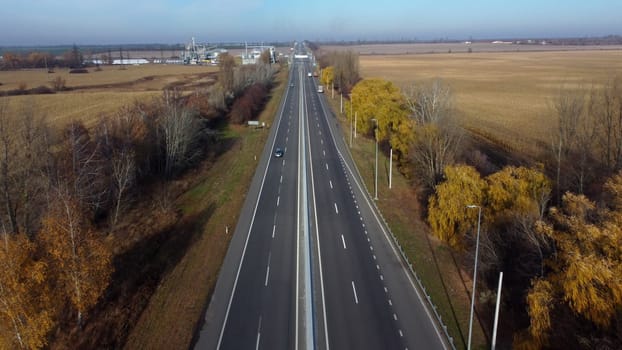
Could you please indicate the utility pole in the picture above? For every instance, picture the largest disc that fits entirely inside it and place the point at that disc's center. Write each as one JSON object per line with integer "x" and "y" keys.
{"x": 355, "y": 115}
{"x": 494, "y": 329}
{"x": 390, "y": 166}
{"x": 479, "y": 219}
{"x": 376, "y": 176}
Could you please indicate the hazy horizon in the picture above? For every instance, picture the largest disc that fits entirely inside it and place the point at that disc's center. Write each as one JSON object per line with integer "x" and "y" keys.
{"x": 46, "y": 22}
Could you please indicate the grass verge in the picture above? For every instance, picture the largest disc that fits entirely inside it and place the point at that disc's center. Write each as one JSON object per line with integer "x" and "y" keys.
{"x": 448, "y": 286}
{"x": 212, "y": 205}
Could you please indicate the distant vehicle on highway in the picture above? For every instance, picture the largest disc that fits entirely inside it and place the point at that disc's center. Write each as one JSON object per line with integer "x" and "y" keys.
{"x": 278, "y": 153}
{"x": 309, "y": 75}
{"x": 320, "y": 89}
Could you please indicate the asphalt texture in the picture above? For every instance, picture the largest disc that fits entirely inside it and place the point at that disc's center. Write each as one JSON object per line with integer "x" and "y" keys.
{"x": 363, "y": 295}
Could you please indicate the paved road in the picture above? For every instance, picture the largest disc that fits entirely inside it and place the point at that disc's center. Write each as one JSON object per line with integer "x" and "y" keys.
{"x": 362, "y": 297}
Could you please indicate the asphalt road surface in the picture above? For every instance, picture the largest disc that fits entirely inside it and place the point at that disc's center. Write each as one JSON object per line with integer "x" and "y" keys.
{"x": 309, "y": 264}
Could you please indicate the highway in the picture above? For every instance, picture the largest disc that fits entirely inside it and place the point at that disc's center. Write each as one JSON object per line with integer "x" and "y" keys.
{"x": 309, "y": 264}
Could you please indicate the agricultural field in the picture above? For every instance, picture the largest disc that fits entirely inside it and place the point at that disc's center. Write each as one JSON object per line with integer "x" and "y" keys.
{"x": 100, "y": 92}
{"x": 504, "y": 96}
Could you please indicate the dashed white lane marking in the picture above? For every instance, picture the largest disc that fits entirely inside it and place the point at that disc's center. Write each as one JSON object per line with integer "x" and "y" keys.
{"x": 386, "y": 290}
{"x": 281, "y": 181}
{"x": 285, "y": 150}
{"x": 395, "y": 317}
{"x": 336, "y": 210}
{"x": 324, "y": 152}
{"x": 377, "y": 267}
{"x": 267, "y": 275}
{"x": 258, "y": 334}
{"x": 283, "y": 162}
{"x": 322, "y": 141}
{"x": 273, "y": 230}
{"x": 278, "y": 199}
{"x": 343, "y": 240}
{"x": 390, "y": 302}
{"x": 401, "y": 334}
{"x": 374, "y": 256}
{"x": 331, "y": 184}
{"x": 381, "y": 277}
{"x": 356, "y": 299}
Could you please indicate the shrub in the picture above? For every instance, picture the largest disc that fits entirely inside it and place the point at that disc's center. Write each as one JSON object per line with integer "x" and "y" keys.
{"x": 58, "y": 84}
{"x": 79, "y": 71}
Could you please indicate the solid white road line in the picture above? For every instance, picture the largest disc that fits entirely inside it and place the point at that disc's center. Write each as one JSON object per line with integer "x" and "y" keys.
{"x": 344, "y": 242}
{"x": 356, "y": 299}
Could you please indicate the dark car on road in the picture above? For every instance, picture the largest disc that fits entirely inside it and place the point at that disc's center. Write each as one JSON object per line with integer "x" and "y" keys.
{"x": 278, "y": 152}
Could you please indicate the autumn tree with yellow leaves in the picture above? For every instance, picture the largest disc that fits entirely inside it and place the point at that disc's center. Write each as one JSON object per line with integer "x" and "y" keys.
{"x": 448, "y": 216}
{"x": 381, "y": 100}
{"x": 79, "y": 258}
{"x": 585, "y": 279}
{"x": 328, "y": 75}
{"x": 25, "y": 317}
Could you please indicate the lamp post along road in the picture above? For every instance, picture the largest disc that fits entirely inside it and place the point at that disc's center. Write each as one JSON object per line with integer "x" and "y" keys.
{"x": 494, "y": 329}
{"x": 479, "y": 219}
{"x": 376, "y": 172}
{"x": 390, "y": 166}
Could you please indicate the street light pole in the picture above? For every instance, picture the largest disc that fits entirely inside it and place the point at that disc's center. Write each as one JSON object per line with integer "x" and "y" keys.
{"x": 479, "y": 219}
{"x": 376, "y": 176}
{"x": 494, "y": 329}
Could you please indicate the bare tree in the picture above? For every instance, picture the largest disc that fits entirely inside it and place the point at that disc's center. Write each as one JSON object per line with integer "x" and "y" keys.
{"x": 8, "y": 155}
{"x": 608, "y": 111}
{"x": 180, "y": 129}
{"x": 437, "y": 135}
{"x": 569, "y": 107}
{"x": 123, "y": 175}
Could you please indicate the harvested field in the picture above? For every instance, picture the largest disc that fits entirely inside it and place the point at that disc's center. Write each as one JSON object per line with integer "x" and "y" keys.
{"x": 100, "y": 92}
{"x": 504, "y": 96}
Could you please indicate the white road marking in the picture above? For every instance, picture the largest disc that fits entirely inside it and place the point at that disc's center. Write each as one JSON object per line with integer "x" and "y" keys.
{"x": 250, "y": 227}
{"x": 395, "y": 317}
{"x": 287, "y": 138}
{"x": 278, "y": 199}
{"x": 324, "y": 152}
{"x": 374, "y": 255}
{"x": 258, "y": 334}
{"x": 281, "y": 181}
{"x": 401, "y": 334}
{"x": 322, "y": 141}
{"x": 344, "y": 242}
{"x": 267, "y": 275}
{"x": 326, "y": 166}
{"x": 331, "y": 184}
{"x": 386, "y": 290}
{"x": 377, "y": 267}
{"x": 390, "y": 302}
{"x": 285, "y": 150}
{"x": 273, "y": 230}
{"x": 356, "y": 299}
{"x": 336, "y": 210}
{"x": 381, "y": 277}
{"x": 283, "y": 162}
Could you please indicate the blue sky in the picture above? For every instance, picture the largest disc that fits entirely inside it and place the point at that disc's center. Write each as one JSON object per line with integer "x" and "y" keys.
{"x": 55, "y": 22}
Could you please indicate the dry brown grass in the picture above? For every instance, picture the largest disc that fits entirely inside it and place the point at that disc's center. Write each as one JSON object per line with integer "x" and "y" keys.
{"x": 503, "y": 95}
{"x": 157, "y": 76}
{"x": 100, "y": 92}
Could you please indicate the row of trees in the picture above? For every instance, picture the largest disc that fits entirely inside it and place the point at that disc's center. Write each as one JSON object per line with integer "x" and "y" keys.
{"x": 563, "y": 263}
{"x": 63, "y": 192}
{"x": 72, "y": 58}
{"x": 343, "y": 69}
